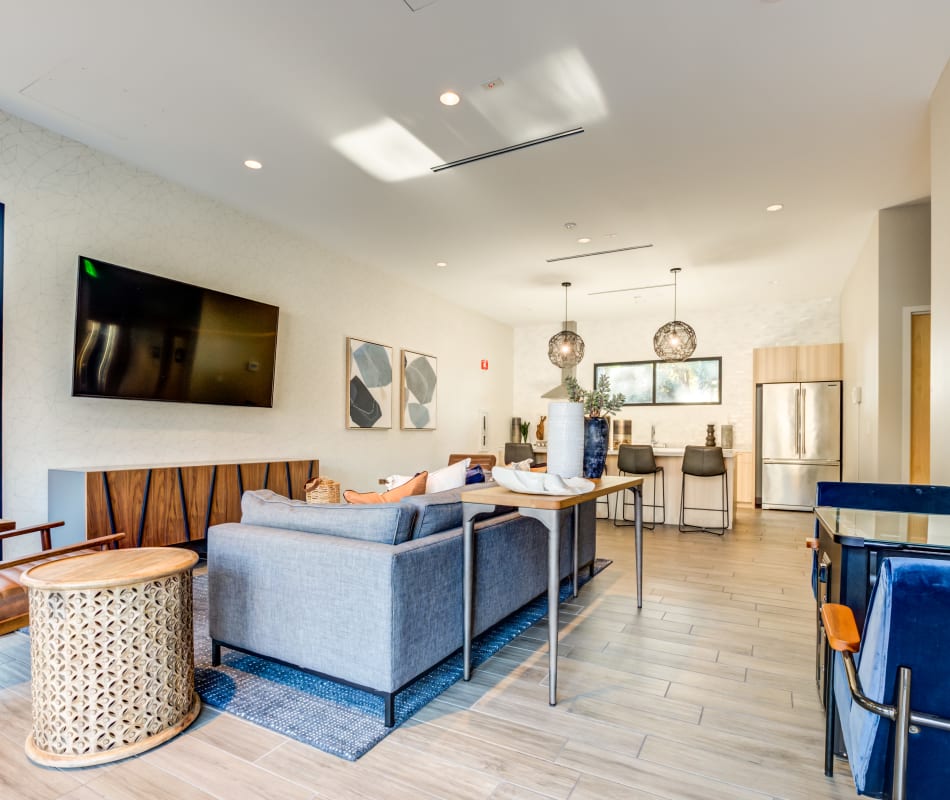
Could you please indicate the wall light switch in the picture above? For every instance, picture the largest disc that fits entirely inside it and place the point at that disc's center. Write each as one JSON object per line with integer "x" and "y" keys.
{"x": 856, "y": 395}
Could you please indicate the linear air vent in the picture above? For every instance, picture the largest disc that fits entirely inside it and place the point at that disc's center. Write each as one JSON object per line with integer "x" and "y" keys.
{"x": 599, "y": 253}
{"x": 510, "y": 149}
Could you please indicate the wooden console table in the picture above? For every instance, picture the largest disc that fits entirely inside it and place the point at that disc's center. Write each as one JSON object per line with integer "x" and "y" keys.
{"x": 164, "y": 504}
{"x": 112, "y": 652}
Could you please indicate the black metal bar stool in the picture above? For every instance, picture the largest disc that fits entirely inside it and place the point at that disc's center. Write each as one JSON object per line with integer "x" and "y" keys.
{"x": 704, "y": 462}
{"x": 638, "y": 459}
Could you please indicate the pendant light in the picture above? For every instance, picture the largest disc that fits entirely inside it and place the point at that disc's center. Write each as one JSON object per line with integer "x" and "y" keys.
{"x": 565, "y": 349}
{"x": 676, "y": 340}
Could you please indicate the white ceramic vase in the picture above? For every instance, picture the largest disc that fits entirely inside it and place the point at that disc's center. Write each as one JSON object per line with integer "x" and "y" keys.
{"x": 565, "y": 432}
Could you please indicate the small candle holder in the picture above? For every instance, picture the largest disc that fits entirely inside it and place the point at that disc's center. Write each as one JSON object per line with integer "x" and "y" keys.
{"x": 711, "y": 435}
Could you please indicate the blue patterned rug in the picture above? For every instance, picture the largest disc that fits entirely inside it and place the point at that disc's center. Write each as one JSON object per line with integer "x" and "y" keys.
{"x": 337, "y": 719}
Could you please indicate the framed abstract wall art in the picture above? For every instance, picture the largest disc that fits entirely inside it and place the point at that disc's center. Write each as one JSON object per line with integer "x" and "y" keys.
{"x": 369, "y": 385}
{"x": 420, "y": 384}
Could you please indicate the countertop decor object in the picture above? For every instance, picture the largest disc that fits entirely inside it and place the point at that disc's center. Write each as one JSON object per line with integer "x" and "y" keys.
{"x": 527, "y": 482}
{"x": 566, "y": 348}
{"x": 676, "y": 340}
{"x": 597, "y": 404}
{"x": 565, "y": 438}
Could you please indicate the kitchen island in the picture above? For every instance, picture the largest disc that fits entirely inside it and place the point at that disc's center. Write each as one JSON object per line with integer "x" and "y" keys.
{"x": 705, "y": 492}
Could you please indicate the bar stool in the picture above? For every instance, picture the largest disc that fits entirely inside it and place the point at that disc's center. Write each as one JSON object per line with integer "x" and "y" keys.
{"x": 638, "y": 459}
{"x": 704, "y": 462}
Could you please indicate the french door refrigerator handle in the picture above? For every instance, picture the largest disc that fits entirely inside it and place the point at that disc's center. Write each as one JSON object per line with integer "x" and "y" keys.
{"x": 802, "y": 426}
{"x": 798, "y": 423}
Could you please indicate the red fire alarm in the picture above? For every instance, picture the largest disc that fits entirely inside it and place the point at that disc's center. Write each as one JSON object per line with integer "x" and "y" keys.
{"x": 484, "y": 363}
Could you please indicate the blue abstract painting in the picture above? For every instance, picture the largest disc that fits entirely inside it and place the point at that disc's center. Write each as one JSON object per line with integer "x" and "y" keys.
{"x": 420, "y": 383}
{"x": 369, "y": 384}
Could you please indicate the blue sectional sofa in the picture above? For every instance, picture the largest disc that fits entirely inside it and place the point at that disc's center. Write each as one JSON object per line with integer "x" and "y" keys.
{"x": 370, "y": 595}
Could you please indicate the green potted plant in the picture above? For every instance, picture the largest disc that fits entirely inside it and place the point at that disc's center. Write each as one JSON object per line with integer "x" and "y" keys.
{"x": 598, "y": 403}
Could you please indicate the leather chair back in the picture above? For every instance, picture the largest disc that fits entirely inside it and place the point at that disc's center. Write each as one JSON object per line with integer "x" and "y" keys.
{"x": 703, "y": 462}
{"x": 518, "y": 452}
{"x": 637, "y": 459}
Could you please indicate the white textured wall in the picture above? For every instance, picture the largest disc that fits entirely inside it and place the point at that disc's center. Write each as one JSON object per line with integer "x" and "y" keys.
{"x": 860, "y": 335}
{"x": 940, "y": 281}
{"x": 904, "y": 281}
{"x": 731, "y": 333}
{"x": 63, "y": 198}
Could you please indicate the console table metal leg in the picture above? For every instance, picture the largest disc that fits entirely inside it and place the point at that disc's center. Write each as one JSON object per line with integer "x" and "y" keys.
{"x": 554, "y": 585}
{"x": 468, "y": 537}
{"x": 577, "y": 517}
{"x": 638, "y": 535}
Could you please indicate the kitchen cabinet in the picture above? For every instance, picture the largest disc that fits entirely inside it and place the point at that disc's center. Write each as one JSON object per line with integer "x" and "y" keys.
{"x": 745, "y": 477}
{"x": 797, "y": 363}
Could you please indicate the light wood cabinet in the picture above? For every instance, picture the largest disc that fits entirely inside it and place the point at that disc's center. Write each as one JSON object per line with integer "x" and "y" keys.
{"x": 811, "y": 362}
{"x": 745, "y": 477}
{"x": 819, "y": 362}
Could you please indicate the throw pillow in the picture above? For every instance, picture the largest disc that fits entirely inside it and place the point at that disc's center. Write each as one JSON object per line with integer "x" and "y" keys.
{"x": 450, "y": 477}
{"x": 416, "y": 485}
{"x": 474, "y": 475}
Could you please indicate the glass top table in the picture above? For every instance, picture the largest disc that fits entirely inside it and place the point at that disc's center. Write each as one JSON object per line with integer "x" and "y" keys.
{"x": 857, "y": 527}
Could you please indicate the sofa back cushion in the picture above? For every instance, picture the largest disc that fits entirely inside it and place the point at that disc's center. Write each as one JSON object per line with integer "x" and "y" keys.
{"x": 388, "y": 523}
{"x": 441, "y": 511}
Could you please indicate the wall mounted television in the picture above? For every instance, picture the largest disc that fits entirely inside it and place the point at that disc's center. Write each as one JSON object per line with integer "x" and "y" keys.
{"x": 144, "y": 337}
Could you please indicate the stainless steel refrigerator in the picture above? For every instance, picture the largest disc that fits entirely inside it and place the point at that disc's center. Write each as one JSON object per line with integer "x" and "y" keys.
{"x": 800, "y": 436}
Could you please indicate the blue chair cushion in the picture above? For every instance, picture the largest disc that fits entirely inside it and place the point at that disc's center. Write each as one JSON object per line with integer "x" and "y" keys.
{"x": 906, "y": 626}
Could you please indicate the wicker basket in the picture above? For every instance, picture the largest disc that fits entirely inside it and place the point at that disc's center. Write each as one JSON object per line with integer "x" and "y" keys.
{"x": 323, "y": 490}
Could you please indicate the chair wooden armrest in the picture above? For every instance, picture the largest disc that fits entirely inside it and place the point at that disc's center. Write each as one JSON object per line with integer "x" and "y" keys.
{"x": 43, "y": 530}
{"x": 61, "y": 551}
{"x": 840, "y": 628}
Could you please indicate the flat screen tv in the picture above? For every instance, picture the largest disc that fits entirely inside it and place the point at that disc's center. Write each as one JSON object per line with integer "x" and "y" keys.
{"x": 143, "y": 337}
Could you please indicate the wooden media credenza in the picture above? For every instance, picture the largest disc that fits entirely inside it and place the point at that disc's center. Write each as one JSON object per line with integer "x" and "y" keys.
{"x": 165, "y": 504}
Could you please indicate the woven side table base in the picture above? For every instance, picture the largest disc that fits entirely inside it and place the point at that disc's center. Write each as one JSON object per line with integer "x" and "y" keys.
{"x": 112, "y": 666}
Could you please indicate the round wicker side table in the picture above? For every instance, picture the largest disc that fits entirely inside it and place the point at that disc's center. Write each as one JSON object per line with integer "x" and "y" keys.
{"x": 112, "y": 651}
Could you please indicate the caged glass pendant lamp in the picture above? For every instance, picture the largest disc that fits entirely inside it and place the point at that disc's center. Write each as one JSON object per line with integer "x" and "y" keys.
{"x": 676, "y": 340}
{"x": 566, "y": 348}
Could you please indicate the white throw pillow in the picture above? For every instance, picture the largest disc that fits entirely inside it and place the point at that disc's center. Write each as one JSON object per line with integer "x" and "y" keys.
{"x": 450, "y": 477}
{"x": 397, "y": 480}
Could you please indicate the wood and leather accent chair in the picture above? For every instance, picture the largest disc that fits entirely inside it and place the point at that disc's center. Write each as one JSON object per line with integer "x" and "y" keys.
{"x": 704, "y": 462}
{"x": 638, "y": 459}
{"x": 484, "y": 460}
{"x": 14, "y": 605}
{"x": 889, "y": 686}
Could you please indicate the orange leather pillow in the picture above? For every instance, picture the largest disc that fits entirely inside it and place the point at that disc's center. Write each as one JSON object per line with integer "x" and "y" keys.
{"x": 415, "y": 486}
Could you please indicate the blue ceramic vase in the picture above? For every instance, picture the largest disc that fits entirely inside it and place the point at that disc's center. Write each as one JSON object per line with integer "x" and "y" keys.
{"x": 595, "y": 446}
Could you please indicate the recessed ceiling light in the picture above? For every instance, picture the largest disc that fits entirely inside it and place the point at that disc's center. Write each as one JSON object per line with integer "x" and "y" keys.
{"x": 570, "y": 225}
{"x": 252, "y": 164}
{"x": 441, "y": 263}
{"x": 449, "y": 98}
{"x": 583, "y": 240}
{"x": 774, "y": 207}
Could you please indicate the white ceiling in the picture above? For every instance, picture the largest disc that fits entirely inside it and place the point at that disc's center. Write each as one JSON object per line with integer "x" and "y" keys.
{"x": 697, "y": 114}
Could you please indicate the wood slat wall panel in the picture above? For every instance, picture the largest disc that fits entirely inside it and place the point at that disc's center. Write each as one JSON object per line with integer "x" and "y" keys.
{"x": 277, "y": 478}
{"x": 253, "y": 476}
{"x": 300, "y": 473}
{"x": 164, "y": 520}
{"x": 226, "y": 503}
{"x": 197, "y": 483}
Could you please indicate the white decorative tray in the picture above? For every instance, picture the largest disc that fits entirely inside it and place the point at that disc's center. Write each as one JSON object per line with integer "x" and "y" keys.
{"x": 519, "y": 480}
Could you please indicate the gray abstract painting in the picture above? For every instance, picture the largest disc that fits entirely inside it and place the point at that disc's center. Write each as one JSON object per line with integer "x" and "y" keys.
{"x": 369, "y": 384}
{"x": 420, "y": 383}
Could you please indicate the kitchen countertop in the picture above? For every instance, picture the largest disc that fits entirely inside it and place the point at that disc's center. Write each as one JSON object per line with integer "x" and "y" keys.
{"x": 658, "y": 450}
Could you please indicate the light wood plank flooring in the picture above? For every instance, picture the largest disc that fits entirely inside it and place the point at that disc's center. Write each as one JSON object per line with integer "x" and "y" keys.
{"x": 708, "y": 692}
